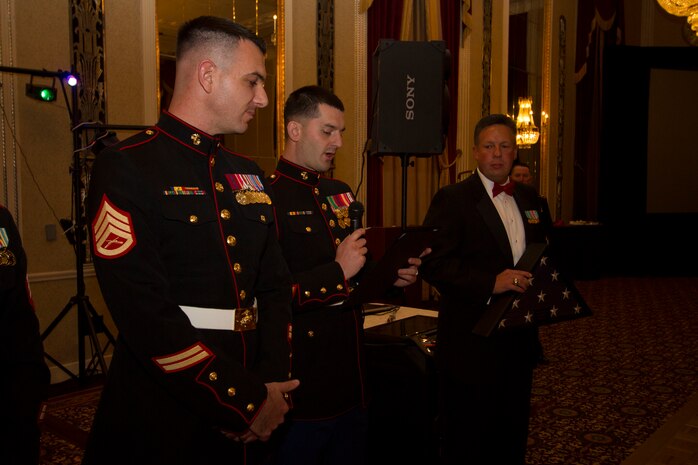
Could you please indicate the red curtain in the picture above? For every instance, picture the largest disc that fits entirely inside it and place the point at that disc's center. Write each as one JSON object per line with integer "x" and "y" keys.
{"x": 600, "y": 24}
{"x": 451, "y": 26}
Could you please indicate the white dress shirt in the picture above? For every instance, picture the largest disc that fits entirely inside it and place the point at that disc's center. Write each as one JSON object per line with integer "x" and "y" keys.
{"x": 511, "y": 217}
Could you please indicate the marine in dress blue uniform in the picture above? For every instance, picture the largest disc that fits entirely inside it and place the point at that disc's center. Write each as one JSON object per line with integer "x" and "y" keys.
{"x": 173, "y": 227}
{"x": 328, "y": 422}
{"x": 312, "y": 221}
{"x": 189, "y": 265}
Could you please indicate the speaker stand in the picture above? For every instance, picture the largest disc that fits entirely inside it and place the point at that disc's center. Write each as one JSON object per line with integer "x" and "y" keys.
{"x": 89, "y": 322}
{"x": 404, "y": 163}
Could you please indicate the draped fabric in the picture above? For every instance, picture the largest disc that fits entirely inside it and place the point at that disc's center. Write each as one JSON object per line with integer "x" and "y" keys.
{"x": 599, "y": 25}
{"x": 451, "y": 25}
{"x": 384, "y": 22}
{"x": 412, "y": 20}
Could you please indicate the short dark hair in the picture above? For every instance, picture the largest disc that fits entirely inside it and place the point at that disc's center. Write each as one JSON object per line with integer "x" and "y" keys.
{"x": 304, "y": 102}
{"x": 214, "y": 29}
{"x": 491, "y": 120}
{"x": 518, "y": 162}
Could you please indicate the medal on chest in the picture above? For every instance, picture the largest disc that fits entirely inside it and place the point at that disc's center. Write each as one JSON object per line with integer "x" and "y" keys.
{"x": 340, "y": 207}
{"x": 248, "y": 189}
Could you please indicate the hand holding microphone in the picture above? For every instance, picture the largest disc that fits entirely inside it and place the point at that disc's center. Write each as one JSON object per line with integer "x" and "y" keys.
{"x": 351, "y": 253}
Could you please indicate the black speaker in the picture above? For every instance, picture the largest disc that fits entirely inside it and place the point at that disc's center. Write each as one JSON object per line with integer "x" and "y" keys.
{"x": 409, "y": 93}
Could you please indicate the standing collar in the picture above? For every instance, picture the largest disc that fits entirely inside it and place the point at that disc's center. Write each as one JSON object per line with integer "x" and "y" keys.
{"x": 187, "y": 134}
{"x": 297, "y": 173}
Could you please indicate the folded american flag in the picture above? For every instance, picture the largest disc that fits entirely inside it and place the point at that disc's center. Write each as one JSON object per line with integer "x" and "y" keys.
{"x": 550, "y": 298}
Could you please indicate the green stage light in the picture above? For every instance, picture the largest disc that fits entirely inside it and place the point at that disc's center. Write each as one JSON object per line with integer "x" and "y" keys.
{"x": 43, "y": 93}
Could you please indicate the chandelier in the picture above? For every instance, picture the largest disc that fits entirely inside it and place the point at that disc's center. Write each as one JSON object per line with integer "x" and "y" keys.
{"x": 526, "y": 131}
{"x": 687, "y": 8}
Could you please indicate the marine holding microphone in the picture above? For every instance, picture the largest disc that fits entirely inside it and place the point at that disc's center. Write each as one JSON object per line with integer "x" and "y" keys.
{"x": 320, "y": 232}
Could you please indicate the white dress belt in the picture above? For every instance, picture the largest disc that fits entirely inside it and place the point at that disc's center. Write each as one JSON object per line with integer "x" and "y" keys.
{"x": 218, "y": 318}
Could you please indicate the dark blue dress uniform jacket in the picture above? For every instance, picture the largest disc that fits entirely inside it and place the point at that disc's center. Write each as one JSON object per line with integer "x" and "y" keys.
{"x": 22, "y": 350}
{"x": 25, "y": 375}
{"x": 180, "y": 237}
{"x": 327, "y": 355}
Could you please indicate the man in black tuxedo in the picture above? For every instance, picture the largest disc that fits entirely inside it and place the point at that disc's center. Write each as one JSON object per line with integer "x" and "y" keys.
{"x": 485, "y": 382}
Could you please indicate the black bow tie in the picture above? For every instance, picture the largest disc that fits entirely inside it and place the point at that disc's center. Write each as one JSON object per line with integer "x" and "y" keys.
{"x": 498, "y": 189}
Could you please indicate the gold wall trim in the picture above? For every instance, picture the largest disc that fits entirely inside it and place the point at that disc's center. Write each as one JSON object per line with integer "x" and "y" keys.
{"x": 325, "y": 44}
{"x": 562, "y": 45}
{"x": 64, "y": 275}
{"x": 151, "y": 63}
{"x": 87, "y": 25}
{"x": 545, "y": 162}
{"x": 486, "y": 56}
{"x": 360, "y": 97}
{"x": 280, "y": 76}
{"x": 10, "y": 168}
{"x": 463, "y": 132}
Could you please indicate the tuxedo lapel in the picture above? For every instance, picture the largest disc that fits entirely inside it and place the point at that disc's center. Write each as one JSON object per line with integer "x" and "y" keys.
{"x": 491, "y": 217}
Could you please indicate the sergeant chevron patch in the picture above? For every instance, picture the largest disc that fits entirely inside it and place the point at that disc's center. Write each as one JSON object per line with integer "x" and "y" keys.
{"x": 182, "y": 360}
{"x": 112, "y": 231}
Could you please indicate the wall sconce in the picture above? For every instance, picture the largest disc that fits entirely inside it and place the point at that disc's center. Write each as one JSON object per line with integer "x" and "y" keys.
{"x": 527, "y": 133}
{"x": 687, "y": 8}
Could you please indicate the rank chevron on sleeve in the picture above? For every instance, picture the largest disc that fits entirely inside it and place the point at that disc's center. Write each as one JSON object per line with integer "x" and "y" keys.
{"x": 187, "y": 358}
{"x": 112, "y": 231}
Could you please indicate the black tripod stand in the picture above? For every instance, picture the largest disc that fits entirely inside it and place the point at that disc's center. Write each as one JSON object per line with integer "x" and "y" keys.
{"x": 90, "y": 323}
{"x": 405, "y": 163}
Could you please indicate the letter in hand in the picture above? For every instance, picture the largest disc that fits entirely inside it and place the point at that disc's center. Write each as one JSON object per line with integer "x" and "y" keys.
{"x": 408, "y": 276}
{"x": 271, "y": 415}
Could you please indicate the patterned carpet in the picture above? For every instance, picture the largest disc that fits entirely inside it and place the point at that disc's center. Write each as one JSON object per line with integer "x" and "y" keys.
{"x": 612, "y": 380}
{"x": 66, "y": 424}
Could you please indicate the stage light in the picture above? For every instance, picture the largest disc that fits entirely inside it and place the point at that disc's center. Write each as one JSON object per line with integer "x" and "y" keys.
{"x": 71, "y": 80}
{"x": 43, "y": 93}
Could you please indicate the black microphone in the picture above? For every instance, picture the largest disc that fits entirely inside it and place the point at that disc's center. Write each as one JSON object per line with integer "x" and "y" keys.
{"x": 356, "y": 211}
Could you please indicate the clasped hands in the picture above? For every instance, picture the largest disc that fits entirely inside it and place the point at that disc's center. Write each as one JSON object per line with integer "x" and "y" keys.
{"x": 270, "y": 416}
